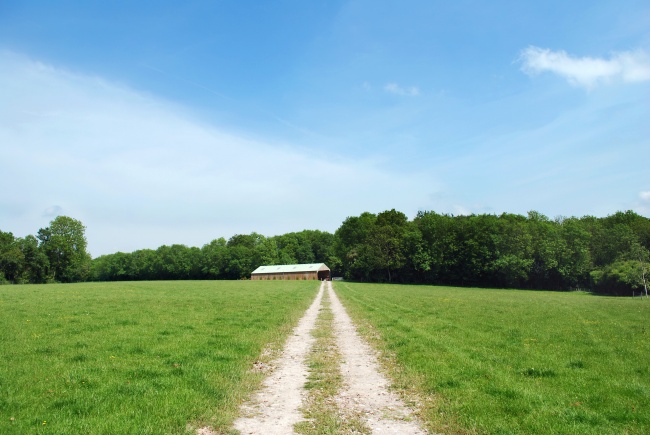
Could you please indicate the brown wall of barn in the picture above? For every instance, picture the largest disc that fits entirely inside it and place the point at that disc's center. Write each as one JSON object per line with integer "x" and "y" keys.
{"x": 286, "y": 275}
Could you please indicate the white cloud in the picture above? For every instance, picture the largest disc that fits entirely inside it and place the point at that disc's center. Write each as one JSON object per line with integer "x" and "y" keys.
{"x": 394, "y": 88}
{"x": 53, "y": 211}
{"x": 588, "y": 72}
{"x": 645, "y": 196}
{"x": 140, "y": 172}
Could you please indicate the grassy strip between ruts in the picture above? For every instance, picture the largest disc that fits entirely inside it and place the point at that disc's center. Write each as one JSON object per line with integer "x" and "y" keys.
{"x": 323, "y": 414}
{"x": 508, "y": 361}
{"x": 137, "y": 357}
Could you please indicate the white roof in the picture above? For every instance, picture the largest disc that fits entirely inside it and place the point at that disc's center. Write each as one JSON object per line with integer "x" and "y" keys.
{"x": 288, "y": 268}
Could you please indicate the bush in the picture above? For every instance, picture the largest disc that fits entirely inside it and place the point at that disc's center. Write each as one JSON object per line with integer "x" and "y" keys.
{"x": 622, "y": 278}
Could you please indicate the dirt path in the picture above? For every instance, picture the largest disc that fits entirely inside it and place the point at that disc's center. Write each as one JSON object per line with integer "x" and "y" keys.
{"x": 366, "y": 391}
{"x": 276, "y": 408}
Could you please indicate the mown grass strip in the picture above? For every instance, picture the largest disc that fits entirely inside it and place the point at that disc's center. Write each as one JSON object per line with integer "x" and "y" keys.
{"x": 322, "y": 412}
{"x": 506, "y": 361}
{"x": 137, "y": 357}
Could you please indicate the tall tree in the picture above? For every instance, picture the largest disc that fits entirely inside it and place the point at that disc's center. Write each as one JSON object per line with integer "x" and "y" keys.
{"x": 639, "y": 273}
{"x": 514, "y": 251}
{"x": 11, "y": 258}
{"x": 574, "y": 258}
{"x": 35, "y": 261}
{"x": 351, "y": 238}
{"x": 439, "y": 246}
{"x": 386, "y": 242}
{"x": 246, "y": 252}
{"x": 64, "y": 243}
{"x": 547, "y": 242}
{"x": 213, "y": 260}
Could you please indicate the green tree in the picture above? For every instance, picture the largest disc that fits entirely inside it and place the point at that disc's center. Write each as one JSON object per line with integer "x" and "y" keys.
{"x": 213, "y": 260}
{"x": 11, "y": 258}
{"x": 574, "y": 256}
{"x": 639, "y": 276}
{"x": 514, "y": 251}
{"x": 475, "y": 243}
{"x": 35, "y": 264}
{"x": 322, "y": 245}
{"x": 622, "y": 277}
{"x": 639, "y": 225}
{"x": 294, "y": 248}
{"x": 179, "y": 261}
{"x": 351, "y": 237}
{"x": 386, "y": 245}
{"x": 145, "y": 265}
{"x": 64, "y": 243}
{"x": 246, "y": 252}
{"x": 547, "y": 242}
{"x": 439, "y": 246}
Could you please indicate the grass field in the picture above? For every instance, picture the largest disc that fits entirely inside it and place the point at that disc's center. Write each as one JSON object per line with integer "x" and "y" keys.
{"x": 166, "y": 357}
{"x": 504, "y": 361}
{"x": 137, "y": 357}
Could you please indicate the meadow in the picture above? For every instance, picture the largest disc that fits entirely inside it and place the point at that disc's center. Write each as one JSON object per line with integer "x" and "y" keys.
{"x": 137, "y": 357}
{"x": 509, "y": 361}
{"x": 170, "y": 357}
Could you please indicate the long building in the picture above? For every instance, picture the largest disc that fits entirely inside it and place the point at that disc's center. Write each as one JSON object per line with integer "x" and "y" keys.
{"x": 317, "y": 271}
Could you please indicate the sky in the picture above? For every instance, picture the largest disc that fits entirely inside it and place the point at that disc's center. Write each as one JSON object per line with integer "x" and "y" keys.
{"x": 165, "y": 122}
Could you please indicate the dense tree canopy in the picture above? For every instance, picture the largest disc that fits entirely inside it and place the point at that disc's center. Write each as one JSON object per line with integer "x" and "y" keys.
{"x": 607, "y": 255}
{"x": 64, "y": 244}
{"x": 58, "y": 254}
{"x": 235, "y": 258}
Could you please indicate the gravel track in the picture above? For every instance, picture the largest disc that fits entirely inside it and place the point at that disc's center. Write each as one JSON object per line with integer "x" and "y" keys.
{"x": 275, "y": 409}
{"x": 366, "y": 390}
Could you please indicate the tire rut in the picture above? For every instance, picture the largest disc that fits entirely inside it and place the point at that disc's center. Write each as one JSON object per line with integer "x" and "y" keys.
{"x": 366, "y": 390}
{"x": 276, "y": 408}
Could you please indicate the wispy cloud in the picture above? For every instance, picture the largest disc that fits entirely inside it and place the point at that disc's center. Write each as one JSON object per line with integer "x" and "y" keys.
{"x": 645, "y": 196}
{"x": 588, "y": 72}
{"x": 140, "y": 171}
{"x": 53, "y": 211}
{"x": 394, "y": 88}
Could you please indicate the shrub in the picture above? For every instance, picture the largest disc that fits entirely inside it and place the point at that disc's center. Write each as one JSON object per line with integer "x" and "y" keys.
{"x": 621, "y": 278}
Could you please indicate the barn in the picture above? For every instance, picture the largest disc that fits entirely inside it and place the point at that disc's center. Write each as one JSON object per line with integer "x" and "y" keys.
{"x": 317, "y": 271}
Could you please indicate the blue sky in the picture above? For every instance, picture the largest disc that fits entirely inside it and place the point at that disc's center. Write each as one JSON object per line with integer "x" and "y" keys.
{"x": 180, "y": 122}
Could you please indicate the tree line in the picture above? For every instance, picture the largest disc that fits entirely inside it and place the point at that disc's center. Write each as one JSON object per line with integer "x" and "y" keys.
{"x": 56, "y": 254}
{"x": 235, "y": 258}
{"x": 606, "y": 255}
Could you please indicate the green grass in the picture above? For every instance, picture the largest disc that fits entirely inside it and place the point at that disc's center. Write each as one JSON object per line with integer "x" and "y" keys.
{"x": 507, "y": 361}
{"x": 145, "y": 357}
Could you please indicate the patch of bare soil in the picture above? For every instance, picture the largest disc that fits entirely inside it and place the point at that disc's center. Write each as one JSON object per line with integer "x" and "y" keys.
{"x": 366, "y": 390}
{"x": 276, "y": 407}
